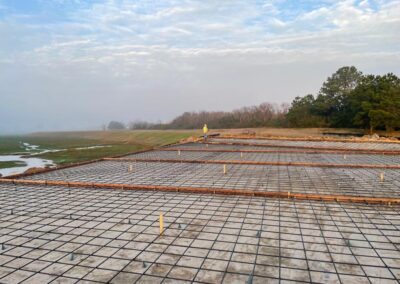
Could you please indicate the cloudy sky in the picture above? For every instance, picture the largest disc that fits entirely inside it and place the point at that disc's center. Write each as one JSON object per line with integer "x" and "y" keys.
{"x": 75, "y": 64}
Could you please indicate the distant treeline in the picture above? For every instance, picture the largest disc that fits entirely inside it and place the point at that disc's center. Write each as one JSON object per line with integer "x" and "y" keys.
{"x": 347, "y": 99}
{"x": 265, "y": 114}
{"x": 350, "y": 99}
{"x": 256, "y": 116}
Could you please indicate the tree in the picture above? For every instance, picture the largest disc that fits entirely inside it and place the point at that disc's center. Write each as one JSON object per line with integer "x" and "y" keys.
{"x": 333, "y": 99}
{"x": 265, "y": 114}
{"x": 363, "y": 100}
{"x": 346, "y": 99}
{"x": 300, "y": 113}
{"x": 375, "y": 102}
{"x": 116, "y": 125}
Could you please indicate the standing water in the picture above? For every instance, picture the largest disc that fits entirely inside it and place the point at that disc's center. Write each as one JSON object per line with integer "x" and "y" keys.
{"x": 28, "y": 162}
{"x": 25, "y": 160}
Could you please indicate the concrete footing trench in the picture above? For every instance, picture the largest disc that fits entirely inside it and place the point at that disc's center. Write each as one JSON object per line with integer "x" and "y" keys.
{"x": 233, "y": 211}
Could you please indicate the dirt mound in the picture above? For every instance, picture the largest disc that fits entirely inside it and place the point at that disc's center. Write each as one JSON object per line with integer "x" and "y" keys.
{"x": 376, "y": 137}
{"x": 34, "y": 170}
{"x": 190, "y": 139}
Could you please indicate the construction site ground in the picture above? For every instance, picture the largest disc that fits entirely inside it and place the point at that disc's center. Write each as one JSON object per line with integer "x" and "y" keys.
{"x": 235, "y": 210}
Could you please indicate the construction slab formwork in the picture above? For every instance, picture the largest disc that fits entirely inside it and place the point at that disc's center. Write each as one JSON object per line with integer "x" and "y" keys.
{"x": 343, "y": 181}
{"x": 105, "y": 234}
{"x": 311, "y": 144}
{"x": 61, "y": 234}
{"x": 326, "y": 158}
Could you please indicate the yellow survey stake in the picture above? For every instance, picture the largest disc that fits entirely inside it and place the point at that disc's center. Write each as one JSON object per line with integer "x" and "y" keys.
{"x": 161, "y": 223}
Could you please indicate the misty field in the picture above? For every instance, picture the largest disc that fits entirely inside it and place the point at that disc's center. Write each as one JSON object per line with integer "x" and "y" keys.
{"x": 72, "y": 147}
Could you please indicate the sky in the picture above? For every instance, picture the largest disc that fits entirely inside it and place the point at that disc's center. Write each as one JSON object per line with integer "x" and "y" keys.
{"x": 76, "y": 65}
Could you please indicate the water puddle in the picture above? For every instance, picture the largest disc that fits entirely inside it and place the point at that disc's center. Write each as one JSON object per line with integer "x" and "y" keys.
{"x": 28, "y": 162}
{"x": 29, "y": 147}
{"x": 30, "y": 159}
{"x": 93, "y": 147}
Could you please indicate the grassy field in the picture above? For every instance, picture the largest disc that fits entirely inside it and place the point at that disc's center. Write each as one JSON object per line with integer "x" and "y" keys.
{"x": 12, "y": 144}
{"x": 115, "y": 142}
{"x": 73, "y": 155}
{"x": 11, "y": 164}
{"x": 71, "y": 146}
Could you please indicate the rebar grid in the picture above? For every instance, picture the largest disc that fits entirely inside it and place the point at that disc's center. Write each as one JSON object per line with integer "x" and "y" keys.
{"x": 306, "y": 180}
{"x": 309, "y": 138}
{"x": 249, "y": 149}
{"x": 323, "y": 158}
{"x": 56, "y": 234}
{"x": 257, "y": 163}
{"x": 354, "y": 146}
{"x": 276, "y": 148}
{"x": 113, "y": 237}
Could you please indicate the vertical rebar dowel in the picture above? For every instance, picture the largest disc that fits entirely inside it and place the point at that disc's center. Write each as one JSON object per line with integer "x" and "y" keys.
{"x": 161, "y": 223}
{"x": 72, "y": 257}
{"x": 3, "y": 247}
{"x": 250, "y": 279}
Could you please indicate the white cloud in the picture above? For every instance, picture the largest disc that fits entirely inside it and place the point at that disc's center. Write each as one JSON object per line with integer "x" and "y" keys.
{"x": 118, "y": 60}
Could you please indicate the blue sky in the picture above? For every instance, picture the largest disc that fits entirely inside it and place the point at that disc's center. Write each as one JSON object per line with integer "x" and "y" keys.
{"x": 74, "y": 64}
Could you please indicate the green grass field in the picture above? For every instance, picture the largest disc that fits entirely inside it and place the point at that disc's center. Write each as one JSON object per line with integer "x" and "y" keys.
{"x": 11, "y": 164}
{"x": 116, "y": 142}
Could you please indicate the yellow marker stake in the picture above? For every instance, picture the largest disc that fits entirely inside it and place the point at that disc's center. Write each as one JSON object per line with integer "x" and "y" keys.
{"x": 224, "y": 169}
{"x": 382, "y": 176}
{"x": 131, "y": 168}
{"x": 161, "y": 223}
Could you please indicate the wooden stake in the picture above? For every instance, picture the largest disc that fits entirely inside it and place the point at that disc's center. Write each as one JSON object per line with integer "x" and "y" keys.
{"x": 161, "y": 223}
